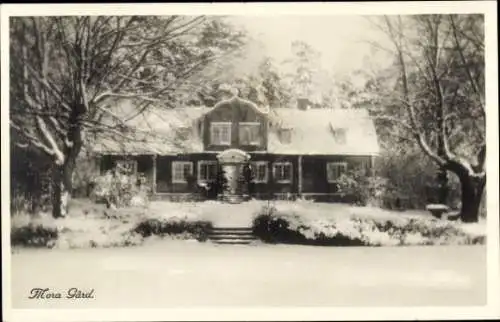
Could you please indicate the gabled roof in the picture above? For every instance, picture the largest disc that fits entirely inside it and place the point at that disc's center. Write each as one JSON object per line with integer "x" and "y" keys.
{"x": 175, "y": 131}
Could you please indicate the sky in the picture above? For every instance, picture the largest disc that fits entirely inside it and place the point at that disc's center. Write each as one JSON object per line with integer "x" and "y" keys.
{"x": 341, "y": 40}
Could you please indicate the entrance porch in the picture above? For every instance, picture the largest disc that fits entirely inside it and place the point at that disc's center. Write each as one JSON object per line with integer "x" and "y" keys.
{"x": 236, "y": 174}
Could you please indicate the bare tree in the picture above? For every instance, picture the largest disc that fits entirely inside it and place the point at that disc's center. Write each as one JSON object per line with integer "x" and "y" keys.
{"x": 67, "y": 73}
{"x": 440, "y": 87}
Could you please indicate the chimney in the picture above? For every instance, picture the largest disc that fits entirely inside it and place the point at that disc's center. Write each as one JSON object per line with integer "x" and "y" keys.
{"x": 303, "y": 104}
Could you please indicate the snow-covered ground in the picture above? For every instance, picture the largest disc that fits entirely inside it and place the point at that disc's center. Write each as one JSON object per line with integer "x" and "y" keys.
{"x": 167, "y": 273}
{"x": 224, "y": 214}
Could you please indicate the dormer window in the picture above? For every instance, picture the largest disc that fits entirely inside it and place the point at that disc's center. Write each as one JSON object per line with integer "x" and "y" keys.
{"x": 339, "y": 134}
{"x": 183, "y": 132}
{"x": 285, "y": 135}
{"x": 220, "y": 133}
{"x": 249, "y": 133}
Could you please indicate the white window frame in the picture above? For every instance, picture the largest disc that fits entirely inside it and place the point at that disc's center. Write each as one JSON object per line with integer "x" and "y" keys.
{"x": 257, "y": 140}
{"x": 275, "y": 166}
{"x": 212, "y": 127}
{"x": 329, "y": 173}
{"x": 255, "y": 165}
{"x": 202, "y": 163}
{"x": 125, "y": 161}
{"x": 181, "y": 163}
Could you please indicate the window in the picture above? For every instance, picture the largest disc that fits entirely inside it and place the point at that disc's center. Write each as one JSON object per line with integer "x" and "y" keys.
{"x": 207, "y": 170}
{"x": 220, "y": 133}
{"x": 183, "y": 133}
{"x": 339, "y": 135}
{"x": 334, "y": 170}
{"x": 259, "y": 171}
{"x": 128, "y": 167}
{"x": 285, "y": 135}
{"x": 249, "y": 133}
{"x": 181, "y": 170}
{"x": 282, "y": 172}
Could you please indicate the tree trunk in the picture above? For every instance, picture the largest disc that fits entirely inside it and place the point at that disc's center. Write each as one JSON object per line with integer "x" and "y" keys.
{"x": 63, "y": 174}
{"x": 62, "y": 188}
{"x": 442, "y": 181}
{"x": 472, "y": 192}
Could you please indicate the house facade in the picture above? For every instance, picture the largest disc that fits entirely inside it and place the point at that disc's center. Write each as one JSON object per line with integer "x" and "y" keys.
{"x": 264, "y": 153}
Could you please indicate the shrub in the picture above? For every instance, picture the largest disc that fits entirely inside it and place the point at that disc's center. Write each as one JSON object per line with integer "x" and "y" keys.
{"x": 120, "y": 190}
{"x": 33, "y": 235}
{"x": 84, "y": 173}
{"x": 362, "y": 188}
{"x": 188, "y": 229}
{"x": 100, "y": 237}
{"x": 77, "y": 231}
{"x": 273, "y": 226}
{"x": 275, "y": 229}
{"x": 30, "y": 180}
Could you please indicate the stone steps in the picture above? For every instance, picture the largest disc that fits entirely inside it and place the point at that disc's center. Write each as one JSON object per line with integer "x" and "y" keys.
{"x": 234, "y": 199}
{"x": 232, "y": 235}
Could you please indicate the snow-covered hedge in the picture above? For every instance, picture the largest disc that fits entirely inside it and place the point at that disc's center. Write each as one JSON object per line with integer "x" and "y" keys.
{"x": 94, "y": 226}
{"x": 178, "y": 227}
{"x": 88, "y": 231}
{"x": 350, "y": 229}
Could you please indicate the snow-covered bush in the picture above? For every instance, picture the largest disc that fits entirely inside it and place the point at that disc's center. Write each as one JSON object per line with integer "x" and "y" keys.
{"x": 180, "y": 227}
{"x": 120, "y": 190}
{"x": 30, "y": 231}
{"x": 78, "y": 231}
{"x": 364, "y": 189}
{"x": 350, "y": 229}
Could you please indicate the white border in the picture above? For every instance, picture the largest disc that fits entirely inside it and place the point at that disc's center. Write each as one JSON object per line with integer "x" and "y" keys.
{"x": 491, "y": 310}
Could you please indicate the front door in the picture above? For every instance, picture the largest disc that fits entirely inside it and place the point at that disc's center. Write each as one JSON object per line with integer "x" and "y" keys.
{"x": 231, "y": 174}
{"x": 232, "y": 162}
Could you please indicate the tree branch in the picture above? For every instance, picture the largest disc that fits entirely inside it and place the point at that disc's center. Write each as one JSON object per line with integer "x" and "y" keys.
{"x": 464, "y": 61}
{"x": 42, "y": 127}
{"x": 395, "y": 120}
{"x": 32, "y": 139}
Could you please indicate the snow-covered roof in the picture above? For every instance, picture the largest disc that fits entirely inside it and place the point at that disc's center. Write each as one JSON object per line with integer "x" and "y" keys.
{"x": 175, "y": 131}
{"x": 158, "y": 131}
{"x": 313, "y": 132}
